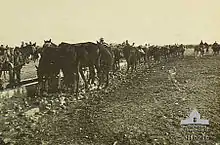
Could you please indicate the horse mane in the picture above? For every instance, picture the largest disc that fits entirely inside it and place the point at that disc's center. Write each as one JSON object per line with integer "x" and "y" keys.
{"x": 53, "y": 44}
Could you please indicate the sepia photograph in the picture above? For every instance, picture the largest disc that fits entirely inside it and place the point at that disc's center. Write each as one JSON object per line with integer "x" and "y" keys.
{"x": 110, "y": 72}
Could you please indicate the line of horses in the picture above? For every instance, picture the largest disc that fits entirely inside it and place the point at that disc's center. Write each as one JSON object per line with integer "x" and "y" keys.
{"x": 100, "y": 59}
{"x": 202, "y": 48}
{"x": 70, "y": 61}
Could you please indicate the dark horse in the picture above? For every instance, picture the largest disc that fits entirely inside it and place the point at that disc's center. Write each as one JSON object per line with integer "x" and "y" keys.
{"x": 48, "y": 67}
{"x": 117, "y": 57}
{"x": 106, "y": 63}
{"x": 130, "y": 56}
{"x": 198, "y": 51}
{"x": 91, "y": 55}
{"x": 27, "y": 52}
{"x": 216, "y": 48}
{"x": 70, "y": 59}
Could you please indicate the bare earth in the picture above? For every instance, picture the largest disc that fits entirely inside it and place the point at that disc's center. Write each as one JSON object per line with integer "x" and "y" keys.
{"x": 140, "y": 108}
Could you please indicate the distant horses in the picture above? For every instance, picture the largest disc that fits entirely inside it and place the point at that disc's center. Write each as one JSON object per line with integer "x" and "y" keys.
{"x": 216, "y": 48}
{"x": 198, "y": 51}
{"x": 100, "y": 59}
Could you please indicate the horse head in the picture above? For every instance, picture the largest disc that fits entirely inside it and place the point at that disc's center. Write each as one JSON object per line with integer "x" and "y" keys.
{"x": 48, "y": 43}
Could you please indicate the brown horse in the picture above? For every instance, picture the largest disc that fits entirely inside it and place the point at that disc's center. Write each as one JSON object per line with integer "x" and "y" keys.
{"x": 27, "y": 52}
{"x": 216, "y": 48}
{"x": 117, "y": 57}
{"x": 106, "y": 64}
{"x": 75, "y": 57}
{"x": 198, "y": 51}
{"x": 48, "y": 67}
{"x": 130, "y": 56}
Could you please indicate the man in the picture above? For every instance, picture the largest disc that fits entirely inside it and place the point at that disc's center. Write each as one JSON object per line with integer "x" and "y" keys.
{"x": 201, "y": 43}
{"x": 207, "y": 47}
{"x": 126, "y": 43}
{"x": 18, "y": 63}
{"x": 215, "y": 44}
{"x": 22, "y": 44}
{"x": 1, "y": 50}
{"x": 101, "y": 41}
{"x": 215, "y": 48}
{"x": 26, "y": 44}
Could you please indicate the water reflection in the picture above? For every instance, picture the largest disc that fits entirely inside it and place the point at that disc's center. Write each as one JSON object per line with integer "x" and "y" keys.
{"x": 20, "y": 91}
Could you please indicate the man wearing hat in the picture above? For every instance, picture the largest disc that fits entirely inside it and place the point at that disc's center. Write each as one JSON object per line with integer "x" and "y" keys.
{"x": 22, "y": 44}
{"x": 101, "y": 41}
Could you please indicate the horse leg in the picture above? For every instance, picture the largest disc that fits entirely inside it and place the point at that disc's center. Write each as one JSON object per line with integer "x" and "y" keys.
{"x": 128, "y": 66}
{"x": 107, "y": 79}
{"x": 135, "y": 65}
{"x": 11, "y": 78}
{"x": 84, "y": 79}
{"x": 4, "y": 74}
{"x": 0, "y": 73}
{"x": 145, "y": 60}
{"x": 38, "y": 89}
{"x": 92, "y": 72}
{"x": 98, "y": 69}
{"x": 77, "y": 85}
{"x": 194, "y": 53}
{"x": 59, "y": 81}
{"x": 118, "y": 64}
{"x": 18, "y": 75}
{"x": 132, "y": 68}
{"x": 46, "y": 85}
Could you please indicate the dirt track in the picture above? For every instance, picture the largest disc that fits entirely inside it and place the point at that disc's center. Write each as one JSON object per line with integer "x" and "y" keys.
{"x": 140, "y": 108}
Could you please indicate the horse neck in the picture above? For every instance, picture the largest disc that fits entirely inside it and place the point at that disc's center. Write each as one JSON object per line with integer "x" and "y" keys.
{"x": 53, "y": 45}
{"x": 105, "y": 51}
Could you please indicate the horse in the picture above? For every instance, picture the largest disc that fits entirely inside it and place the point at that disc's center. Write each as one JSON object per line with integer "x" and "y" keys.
{"x": 106, "y": 63}
{"x": 140, "y": 53}
{"x": 130, "y": 56}
{"x": 215, "y": 48}
{"x": 198, "y": 51}
{"x": 69, "y": 65}
{"x": 37, "y": 53}
{"x": 155, "y": 52}
{"x": 164, "y": 52}
{"x": 48, "y": 67}
{"x": 28, "y": 52}
{"x": 206, "y": 47}
{"x": 80, "y": 55}
{"x": 117, "y": 57}
{"x": 181, "y": 51}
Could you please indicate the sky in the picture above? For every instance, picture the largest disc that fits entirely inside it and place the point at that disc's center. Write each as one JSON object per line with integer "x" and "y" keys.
{"x": 139, "y": 21}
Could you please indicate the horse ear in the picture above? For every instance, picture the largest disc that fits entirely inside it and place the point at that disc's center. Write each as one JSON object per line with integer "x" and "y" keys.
{"x": 50, "y": 40}
{"x": 34, "y": 44}
{"x": 44, "y": 41}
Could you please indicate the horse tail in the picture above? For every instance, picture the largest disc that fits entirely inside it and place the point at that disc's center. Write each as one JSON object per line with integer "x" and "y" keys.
{"x": 99, "y": 57}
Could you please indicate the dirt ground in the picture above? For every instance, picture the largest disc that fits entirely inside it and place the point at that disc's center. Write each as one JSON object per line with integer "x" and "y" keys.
{"x": 140, "y": 108}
